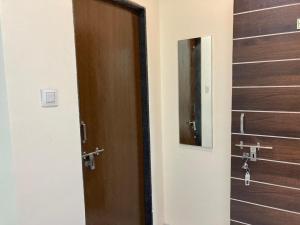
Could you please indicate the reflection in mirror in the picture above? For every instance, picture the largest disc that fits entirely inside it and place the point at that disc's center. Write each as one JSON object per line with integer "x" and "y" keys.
{"x": 195, "y": 94}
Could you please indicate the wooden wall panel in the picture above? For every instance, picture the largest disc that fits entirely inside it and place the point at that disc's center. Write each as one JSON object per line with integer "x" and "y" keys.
{"x": 248, "y": 5}
{"x": 275, "y": 124}
{"x": 287, "y": 150}
{"x": 266, "y": 22}
{"x": 270, "y": 172}
{"x": 276, "y": 47}
{"x": 266, "y": 99}
{"x": 257, "y": 215}
{"x": 266, "y": 80}
{"x": 278, "y": 197}
{"x": 267, "y": 74}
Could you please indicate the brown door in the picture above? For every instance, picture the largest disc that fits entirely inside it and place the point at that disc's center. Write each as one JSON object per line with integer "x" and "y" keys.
{"x": 266, "y": 113}
{"x": 109, "y": 77}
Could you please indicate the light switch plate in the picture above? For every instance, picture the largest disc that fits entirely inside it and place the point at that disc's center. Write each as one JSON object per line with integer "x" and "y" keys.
{"x": 298, "y": 24}
{"x": 49, "y": 98}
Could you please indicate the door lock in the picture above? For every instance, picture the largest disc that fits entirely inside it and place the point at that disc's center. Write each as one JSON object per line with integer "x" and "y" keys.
{"x": 193, "y": 125}
{"x": 89, "y": 158}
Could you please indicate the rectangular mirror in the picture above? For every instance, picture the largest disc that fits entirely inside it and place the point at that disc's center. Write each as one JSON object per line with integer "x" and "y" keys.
{"x": 195, "y": 91}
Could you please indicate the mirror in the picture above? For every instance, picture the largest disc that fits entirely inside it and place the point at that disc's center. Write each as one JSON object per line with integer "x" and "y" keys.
{"x": 195, "y": 91}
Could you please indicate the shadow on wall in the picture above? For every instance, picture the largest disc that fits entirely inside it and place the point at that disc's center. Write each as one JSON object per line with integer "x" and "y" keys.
{"x": 7, "y": 203}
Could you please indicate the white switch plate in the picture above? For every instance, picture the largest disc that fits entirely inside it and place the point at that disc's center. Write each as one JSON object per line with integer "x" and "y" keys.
{"x": 298, "y": 24}
{"x": 49, "y": 98}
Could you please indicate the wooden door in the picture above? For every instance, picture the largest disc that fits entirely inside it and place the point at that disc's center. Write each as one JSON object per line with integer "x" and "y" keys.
{"x": 108, "y": 48}
{"x": 266, "y": 89}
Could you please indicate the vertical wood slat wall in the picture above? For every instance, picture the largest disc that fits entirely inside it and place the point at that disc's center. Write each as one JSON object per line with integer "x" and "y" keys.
{"x": 266, "y": 88}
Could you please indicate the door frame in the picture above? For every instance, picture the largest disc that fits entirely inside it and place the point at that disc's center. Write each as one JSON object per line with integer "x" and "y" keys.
{"x": 141, "y": 12}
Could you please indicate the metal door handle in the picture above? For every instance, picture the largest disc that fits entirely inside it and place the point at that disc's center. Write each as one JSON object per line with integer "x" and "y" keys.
{"x": 89, "y": 158}
{"x": 84, "y": 132}
{"x": 193, "y": 125}
{"x": 95, "y": 153}
{"x": 242, "y": 123}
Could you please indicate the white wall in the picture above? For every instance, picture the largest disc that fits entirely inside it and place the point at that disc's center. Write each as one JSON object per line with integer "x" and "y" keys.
{"x": 7, "y": 188}
{"x": 39, "y": 53}
{"x": 38, "y": 42}
{"x": 197, "y": 182}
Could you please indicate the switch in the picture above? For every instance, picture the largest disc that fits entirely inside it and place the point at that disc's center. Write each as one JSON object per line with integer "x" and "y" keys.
{"x": 298, "y": 24}
{"x": 49, "y": 98}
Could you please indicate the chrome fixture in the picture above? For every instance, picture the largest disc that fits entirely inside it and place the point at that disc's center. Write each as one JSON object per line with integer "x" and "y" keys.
{"x": 242, "y": 123}
{"x": 83, "y": 132}
{"x": 89, "y": 158}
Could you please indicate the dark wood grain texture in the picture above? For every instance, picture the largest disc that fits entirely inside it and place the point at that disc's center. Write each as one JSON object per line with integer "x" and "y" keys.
{"x": 190, "y": 108}
{"x": 258, "y": 215}
{"x": 278, "y": 20}
{"x": 248, "y": 5}
{"x": 287, "y": 150}
{"x": 270, "y": 172}
{"x": 266, "y": 99}
{"x": 266, "y": 34}
{"x": 267, "y": 74}
{"x": 109, "y": 79}
{"x": 267, "y": 48}
{"x": 278, "y": 197}
{"x": 186, "y": 79}
{"x": 274, "y": 124}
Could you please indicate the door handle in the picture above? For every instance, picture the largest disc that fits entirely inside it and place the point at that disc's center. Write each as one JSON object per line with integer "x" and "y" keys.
{"x": 89, "y": 158}
{"x": 242, "y": 123}
{"x": 83, "y": 132}
{"x": 193, "y": 125}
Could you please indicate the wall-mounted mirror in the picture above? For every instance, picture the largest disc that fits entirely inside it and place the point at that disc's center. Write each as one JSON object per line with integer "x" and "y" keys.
{"x": 195, "y": 91}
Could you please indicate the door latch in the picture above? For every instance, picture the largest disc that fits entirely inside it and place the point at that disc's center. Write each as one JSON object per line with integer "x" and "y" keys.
{"x": 89, "y": 158}
{"x": 252, "y": 156}
{"x": 254, "y": 149}
{"x": 193, "y": 125}
{"x": 253, "y": 153}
